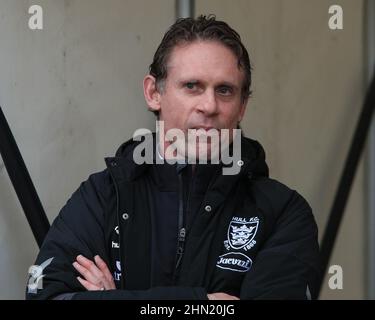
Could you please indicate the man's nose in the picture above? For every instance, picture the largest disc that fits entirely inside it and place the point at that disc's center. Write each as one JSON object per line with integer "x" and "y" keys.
{"x": 208, "y": 104}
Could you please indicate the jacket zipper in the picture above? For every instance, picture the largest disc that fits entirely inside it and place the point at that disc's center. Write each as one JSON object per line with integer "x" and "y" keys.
{"x": 181, "y": 236}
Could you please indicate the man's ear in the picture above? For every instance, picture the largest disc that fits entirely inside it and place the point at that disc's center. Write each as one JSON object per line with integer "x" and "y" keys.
{"x": 151, "y": 93}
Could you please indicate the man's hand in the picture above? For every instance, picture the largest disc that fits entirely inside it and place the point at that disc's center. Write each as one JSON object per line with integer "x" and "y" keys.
{"x": 221, "y": 296}
{"x": 96, "y": 275}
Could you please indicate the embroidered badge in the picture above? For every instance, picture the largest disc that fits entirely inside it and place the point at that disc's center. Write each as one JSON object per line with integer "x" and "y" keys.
{"x": 234, "y": 261}
{"x": 241, "y": 233}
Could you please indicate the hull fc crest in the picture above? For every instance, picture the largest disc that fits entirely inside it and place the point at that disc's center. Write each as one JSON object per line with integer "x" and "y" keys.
{"x": 241, "y": 233}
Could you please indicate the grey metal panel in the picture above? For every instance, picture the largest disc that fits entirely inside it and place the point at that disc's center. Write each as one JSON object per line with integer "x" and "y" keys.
{"x": 184, "y": 8}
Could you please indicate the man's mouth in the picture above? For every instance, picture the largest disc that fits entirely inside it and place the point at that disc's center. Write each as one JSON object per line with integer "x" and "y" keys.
{"x": 205, "y": 128}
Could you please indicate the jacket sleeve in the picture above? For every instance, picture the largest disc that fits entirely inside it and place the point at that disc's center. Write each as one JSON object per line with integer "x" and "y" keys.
{"x": 286, "y": 267}
{"x": 79, "y": 229}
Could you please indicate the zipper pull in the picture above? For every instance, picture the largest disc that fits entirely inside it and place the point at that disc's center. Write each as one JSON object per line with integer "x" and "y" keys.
{"x": 181, "y": 235}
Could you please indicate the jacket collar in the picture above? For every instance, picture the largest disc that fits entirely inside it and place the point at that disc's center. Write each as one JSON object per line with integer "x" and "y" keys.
{"x": 123, "y": 166}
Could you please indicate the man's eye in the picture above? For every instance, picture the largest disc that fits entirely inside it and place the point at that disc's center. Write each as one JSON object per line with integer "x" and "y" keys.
{"x": 190, "y": 85}
{"x": 226, "y": 91}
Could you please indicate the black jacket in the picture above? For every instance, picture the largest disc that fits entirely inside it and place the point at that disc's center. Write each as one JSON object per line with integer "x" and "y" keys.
{"x": 251, "y": 236}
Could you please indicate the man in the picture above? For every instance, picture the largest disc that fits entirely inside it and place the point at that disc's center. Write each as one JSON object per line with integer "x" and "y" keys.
{"x": 185, "y": 230}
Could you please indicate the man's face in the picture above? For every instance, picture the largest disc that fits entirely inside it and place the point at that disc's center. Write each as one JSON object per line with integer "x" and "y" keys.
{"x": 202, "y": 89}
